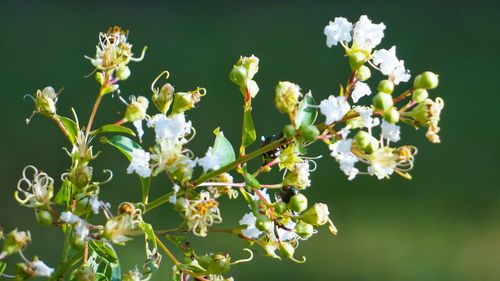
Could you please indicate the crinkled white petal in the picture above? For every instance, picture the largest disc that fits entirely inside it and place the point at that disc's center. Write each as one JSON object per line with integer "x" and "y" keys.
{"x": 365, "y": 113}
{"x": 140, "y": 163}
{"x": 250, "y": 231}
{"x": 390, "y": 65}
{"x": 211, "y": 160}
{"x": 337, "y": 31}
{"x": 138, "y": 128}
{"x": 390, "y": 131}
{"x": 366, "y": 34}
{"x": 69, "y": 217}
{"x": 41, "y": 269}
{"x": 361, "y": 89}
{"x": 334, "y": 108}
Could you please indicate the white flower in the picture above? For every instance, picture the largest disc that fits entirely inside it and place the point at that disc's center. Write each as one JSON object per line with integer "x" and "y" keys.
{"x": 140, "y": 163}
{"x": 337, "y": 31}
{"x": 168, "y": 156}
{"x": 361, "y": 89}
{"x": 173, "y": 198}
{"x": 390, "y": 65}
{"x": 211, "y": 161}
{"x": 81, "y": 226}
{"x": 170, "y": 128}
{"x": 138, "y": 128}
{"x": 251, "y": 231}
{"x": 390, "y": 131}
{"x": 365, "y": 113}
{"x": 302, "y": 171}
{"x": 334, "y": 108}
{"x": 41, "y": 269}
{"x": 366, "y": 34}
{"x": 69, "y": 217}
{"x": 383, "y": 162}
{"x": 286, "y": 235}
{"x": 252, "y": 88}
{"x": 341, "y": 151}
{"x": 95, "y": 204}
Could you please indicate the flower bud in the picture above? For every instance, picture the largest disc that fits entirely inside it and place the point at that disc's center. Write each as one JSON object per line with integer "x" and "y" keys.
{"x": 363, "y": 73}
{"x": 316, "y": 215}
{"x": 186, "y": 101}
{"x": 122, "y": 72}
{"x": 78, "y": 242}
{"x": 286, "y": 249}
{"x": 263, "y": 223}
{"x": 287, "y": 96}
{"x": 251, "y": 64}
{"x": 356, "y": 60}
{"x": 14, "y": 242}
{"x": 289, "y": 131}
{"x": 392, "y": 115}
{"x": 427, "y": 80}
{"x": 386, "y": 86}
{"x": 219, "y": 264}
{"x": 366, "y": 142}
{"x": 280, "y": 207}
{"x": 132, "y": 275}
{"x": 82, "y": 176}
{"x": 298, "y": 203}
{"x": 304, "y": 230}
{"x": 84, "y": 273}
{"x": 45, "y": 101}
{"x": 238, "y": 75}
{"x": 163, "y": 99}
{"x": 44, "y": 217}
{"x": 181, "y": 204}
{"x": 99, "y": 77}
{"x": 382, "y": 101}
{"x": 309, "y": 132}
{"x": 419, "y": 95}
{"x": 136, "y": 110}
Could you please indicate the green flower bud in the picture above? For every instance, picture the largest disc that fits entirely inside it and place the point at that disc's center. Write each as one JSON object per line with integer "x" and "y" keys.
{"x": 14, "y": 242}
{"x": 298, "y": 203}
{"x": 382, "y": 101}
{"x": 44, "y": 217}
{"x": 181, "y": 204}
{"x": 238, "y": 75}
{"x": 316, "y": 215}
{"x": 163, "y": 99}
{"x": 263, "y": 223}
{"x": 251, "y": 64}
{"x": 309, "y": 132}
{"x": 286, "y": 249}
{"x": 363, "y": 73}
{"x": 45, "y": 101}
{"x": 78, "y": 242}
{"x": 84, "y": 273}
{"x": 287, "y": 96}
{"x": 122, "y": 72}
{"x": 99, "y": 77}
{"x": 109, "y": 89}
{"x": 289, "y": 131}
{"x": 356, "y": 60}
{"x": 304, "y": 230}
{"x": 280, "y": 207}
{"x": 392, "y": 115}
{"x": 186, "y": 101}
{"x": 366, "y": 142}
{"x": 427, "y": 80}
{"x": 82, "y": 176}
{"x": 385, "y": 86}
{"x": 219, "y": 264}
{"x": 136, "y": 110}
{"x": 419, "y": 95}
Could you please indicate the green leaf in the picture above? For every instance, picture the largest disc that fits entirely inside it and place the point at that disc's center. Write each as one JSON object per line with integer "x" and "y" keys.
{"x": 104, "y": 261}
{"x": 251, "y": 181}
{"x": 249, "y": 133}
{"x": 145, "y": 186}
{"x": 71, "y": 127}
{"x": 2, "y": 267}
{"x": 123, "y": 144}
{"x": 63, "y": 196}
{"x": 306, "y": 115}
{"x": 112, "y": 128}
{"x": 223, "y": 148}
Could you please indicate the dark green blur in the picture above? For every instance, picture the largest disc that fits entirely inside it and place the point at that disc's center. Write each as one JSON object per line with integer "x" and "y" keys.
{"x": 442, "y": 225}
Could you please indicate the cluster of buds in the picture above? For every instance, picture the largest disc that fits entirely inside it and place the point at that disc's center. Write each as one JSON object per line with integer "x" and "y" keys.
{"x": 242, "y": 75}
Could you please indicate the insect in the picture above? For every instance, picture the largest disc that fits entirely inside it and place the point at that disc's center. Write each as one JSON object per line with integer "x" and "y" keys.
{"x": 272, "y": 154}
{"x": 287, "y": 192}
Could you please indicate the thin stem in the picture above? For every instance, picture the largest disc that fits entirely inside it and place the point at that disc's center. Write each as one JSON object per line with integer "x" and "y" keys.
{"x": 61, "y": 126}
{"x": 180, "y": 230}
{"x": 404, "y": 95}
{"x": 158, "y": 202}
{"x": 94, "y": 111}
{"x": 242, "y": 184}
{"x": 167, "y": 251}
{"x": 65, "y": 267}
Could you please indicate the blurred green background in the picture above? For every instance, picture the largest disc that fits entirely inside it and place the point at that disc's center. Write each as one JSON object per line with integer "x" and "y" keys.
{"x": 443, "y": 225}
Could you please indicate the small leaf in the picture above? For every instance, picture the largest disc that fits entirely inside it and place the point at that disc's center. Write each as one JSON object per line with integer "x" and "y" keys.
{"x": 123, "y": 144}
{"x": 63, "y": 196}
{"x": 306, "y": 115}
{"x": 103, "y": 260}
{"x": 223, "y": 148}
{"x": 249, "y": 133}
{"x": 2, "y": 267}
{"x": 251, "y": 181}
{"x": 112, "y": 128}
{"x": 70, "y": 126}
